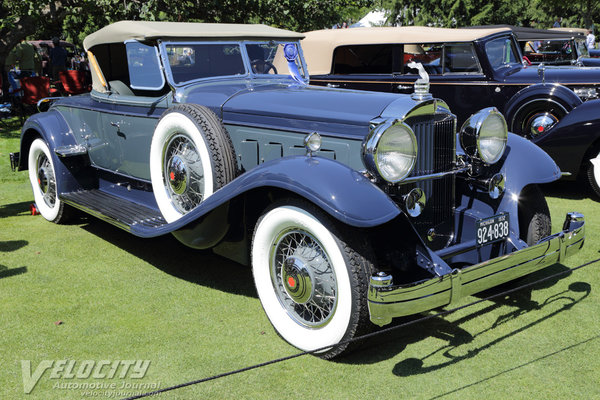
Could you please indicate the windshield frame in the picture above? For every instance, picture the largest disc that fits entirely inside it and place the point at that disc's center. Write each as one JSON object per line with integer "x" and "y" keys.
{"x": 514, "y": 49}
{"x": 162, "y": 46}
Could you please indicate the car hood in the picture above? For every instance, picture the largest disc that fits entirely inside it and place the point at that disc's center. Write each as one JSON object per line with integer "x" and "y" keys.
{"x": 554, "y": 74}
{"x": 298, "y": 107}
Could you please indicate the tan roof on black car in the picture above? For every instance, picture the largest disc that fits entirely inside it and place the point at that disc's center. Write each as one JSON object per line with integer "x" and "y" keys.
{"x": 145, "y": 30}
{"x": 318, "y": 46}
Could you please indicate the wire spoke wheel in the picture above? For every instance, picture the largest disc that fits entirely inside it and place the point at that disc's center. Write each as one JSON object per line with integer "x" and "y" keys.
{"x": 311, "y": 276}
{"x": 45, "y": 183}
{"x": 191, "y": 157}
{"x": 183, "y": 173}
{"x": 46, "y": 180}
{"x": 303, "y": 278}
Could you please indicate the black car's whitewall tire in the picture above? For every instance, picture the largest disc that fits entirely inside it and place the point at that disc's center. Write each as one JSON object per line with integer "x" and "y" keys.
{"x": 311, "y": 283}
{"x": 42, "y": 176}
{"x": 191, "y": 156}
{"x": 593, "y": 171}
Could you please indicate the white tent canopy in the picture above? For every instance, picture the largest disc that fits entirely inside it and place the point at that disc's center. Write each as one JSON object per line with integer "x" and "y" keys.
{"x": 373, "y": 18}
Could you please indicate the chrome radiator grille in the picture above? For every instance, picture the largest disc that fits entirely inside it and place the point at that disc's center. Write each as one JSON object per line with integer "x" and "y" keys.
{"x": 436, "y": 153}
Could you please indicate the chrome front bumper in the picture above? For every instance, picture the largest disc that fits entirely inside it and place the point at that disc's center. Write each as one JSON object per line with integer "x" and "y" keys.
{"x": 387, "y": 301}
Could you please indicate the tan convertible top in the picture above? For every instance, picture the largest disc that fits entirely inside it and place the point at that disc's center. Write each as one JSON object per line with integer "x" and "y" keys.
{"x": 318, "y": 46}
{"x": 141, "y": 30}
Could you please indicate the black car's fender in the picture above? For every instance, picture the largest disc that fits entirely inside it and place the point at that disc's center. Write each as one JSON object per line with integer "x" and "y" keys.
{"x": 569, "y": 141}
{"x": 539, "y": 98}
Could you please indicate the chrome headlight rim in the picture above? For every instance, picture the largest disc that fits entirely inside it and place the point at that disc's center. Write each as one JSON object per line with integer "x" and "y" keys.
{"x": 470, "y": 135}
{"x": 371, "y": 147}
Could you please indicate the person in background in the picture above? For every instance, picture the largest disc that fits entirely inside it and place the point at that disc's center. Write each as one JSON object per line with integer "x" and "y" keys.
{"x": 8, "y": 77}
{"x": 58, "y": 58}
{"x": 590, "y": 40}
{"x": 26, "y": 57}
{"x": 557, "y": 23}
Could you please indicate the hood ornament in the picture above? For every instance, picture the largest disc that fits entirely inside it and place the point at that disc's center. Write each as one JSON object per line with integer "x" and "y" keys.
{"x": 542, "y": 72}
{"x": 421, "y": 84}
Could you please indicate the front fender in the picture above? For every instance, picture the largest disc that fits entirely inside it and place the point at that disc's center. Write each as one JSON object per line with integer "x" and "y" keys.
{"x": 570, "y": 139}
{"x": 540, "y": 92}
{"x": 342, "y": 192}
{"x": 524, "y": 164}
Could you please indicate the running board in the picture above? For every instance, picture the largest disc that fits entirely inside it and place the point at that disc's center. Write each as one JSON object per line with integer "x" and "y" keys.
{"x": 115, "y": 210}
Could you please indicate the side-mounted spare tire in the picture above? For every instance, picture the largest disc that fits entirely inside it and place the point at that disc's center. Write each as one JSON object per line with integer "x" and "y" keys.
{"x": 191, "y": 157}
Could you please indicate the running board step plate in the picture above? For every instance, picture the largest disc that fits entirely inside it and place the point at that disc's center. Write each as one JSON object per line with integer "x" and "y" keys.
{"x": 115, "y": 210}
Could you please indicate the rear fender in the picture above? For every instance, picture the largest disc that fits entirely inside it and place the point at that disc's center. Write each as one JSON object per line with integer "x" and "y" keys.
{"x": 51, "y": 127}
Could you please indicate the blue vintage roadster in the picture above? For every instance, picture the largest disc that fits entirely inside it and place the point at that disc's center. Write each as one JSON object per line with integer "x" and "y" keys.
{"x": 351, "y": 207}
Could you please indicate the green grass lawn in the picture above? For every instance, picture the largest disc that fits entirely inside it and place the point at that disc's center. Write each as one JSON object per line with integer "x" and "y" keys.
{"x": 194, "y": 314}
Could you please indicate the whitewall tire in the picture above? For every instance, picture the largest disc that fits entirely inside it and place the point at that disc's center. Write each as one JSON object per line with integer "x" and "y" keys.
{"x": 42, "y": 176}
{"x": 312, "y": 285}
{"x": 191, "y": 156}
{"x": 593, "y": 172}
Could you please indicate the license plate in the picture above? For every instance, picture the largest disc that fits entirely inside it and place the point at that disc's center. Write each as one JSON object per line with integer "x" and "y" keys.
{"x": 492, "y": 229}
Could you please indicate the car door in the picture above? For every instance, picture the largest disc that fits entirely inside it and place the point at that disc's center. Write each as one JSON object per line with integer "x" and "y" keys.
{"x": 137, "y": 107}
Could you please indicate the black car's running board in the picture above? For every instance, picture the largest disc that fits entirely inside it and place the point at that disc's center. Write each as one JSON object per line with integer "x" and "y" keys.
{"x": 115, "y": 210}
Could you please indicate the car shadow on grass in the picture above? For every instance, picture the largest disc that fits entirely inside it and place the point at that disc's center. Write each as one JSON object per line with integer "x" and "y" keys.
{"x": 8, "y": 246}
{"x": 166, "y": 253}
{"x": 572, "y": 190}
{"x": 15, "y": 209}
{"x": 392, "y": 342}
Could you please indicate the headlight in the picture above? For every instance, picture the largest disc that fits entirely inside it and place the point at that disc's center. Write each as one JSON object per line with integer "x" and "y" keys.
{"x": 484, "y": 135}
{"x": 390, "y": 151}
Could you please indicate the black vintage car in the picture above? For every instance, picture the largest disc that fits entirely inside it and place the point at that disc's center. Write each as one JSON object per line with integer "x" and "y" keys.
{"x": 471, "y": 68}
{"x": 551, "y": 46}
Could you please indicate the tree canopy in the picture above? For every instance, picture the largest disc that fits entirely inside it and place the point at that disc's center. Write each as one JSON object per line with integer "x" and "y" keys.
{"x": 74, "y": 19}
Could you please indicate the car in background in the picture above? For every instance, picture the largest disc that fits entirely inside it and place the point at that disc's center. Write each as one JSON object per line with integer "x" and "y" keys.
{"x": 552, "y": 46}
{"x": 43, "y": 48}
{"x": 471, "y": 68}
{"x": 351, "y": 207}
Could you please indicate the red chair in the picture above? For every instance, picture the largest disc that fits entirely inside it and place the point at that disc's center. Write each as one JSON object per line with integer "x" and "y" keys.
{"x": 73, "y": 82}
{"x": 34, "y": 89}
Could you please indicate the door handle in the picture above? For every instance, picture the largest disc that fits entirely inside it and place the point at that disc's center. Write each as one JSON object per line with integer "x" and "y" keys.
{"x": 116, "y": 125}
{"x": 333, "y": 85}
{"x": 404, "y": 87}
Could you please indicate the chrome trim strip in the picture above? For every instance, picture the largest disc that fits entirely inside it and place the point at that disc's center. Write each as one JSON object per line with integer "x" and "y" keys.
{"x": 392, "y": 301}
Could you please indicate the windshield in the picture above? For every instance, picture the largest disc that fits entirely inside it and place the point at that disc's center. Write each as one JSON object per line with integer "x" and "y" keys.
{"x": 193, "y": 61}
{"x": 501, "y": 53}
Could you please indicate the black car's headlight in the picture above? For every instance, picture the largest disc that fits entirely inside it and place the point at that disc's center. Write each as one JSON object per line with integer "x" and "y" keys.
{"x": 390, "y": 151}
{"x": 484, "y": 134}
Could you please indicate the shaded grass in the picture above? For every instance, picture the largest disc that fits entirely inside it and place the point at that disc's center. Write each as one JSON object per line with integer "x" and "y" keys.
{"x": 194, "y": 314}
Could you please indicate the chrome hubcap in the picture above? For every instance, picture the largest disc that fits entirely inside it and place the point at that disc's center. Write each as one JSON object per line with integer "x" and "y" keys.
{"x": 178, "y": 175}
{"x": 183, "y": 173}
{"x": 297, "y": 281}
{"x": 303, "y": 278}
{"x": 540, "y": 123}
{"x": 46, "y": 180}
